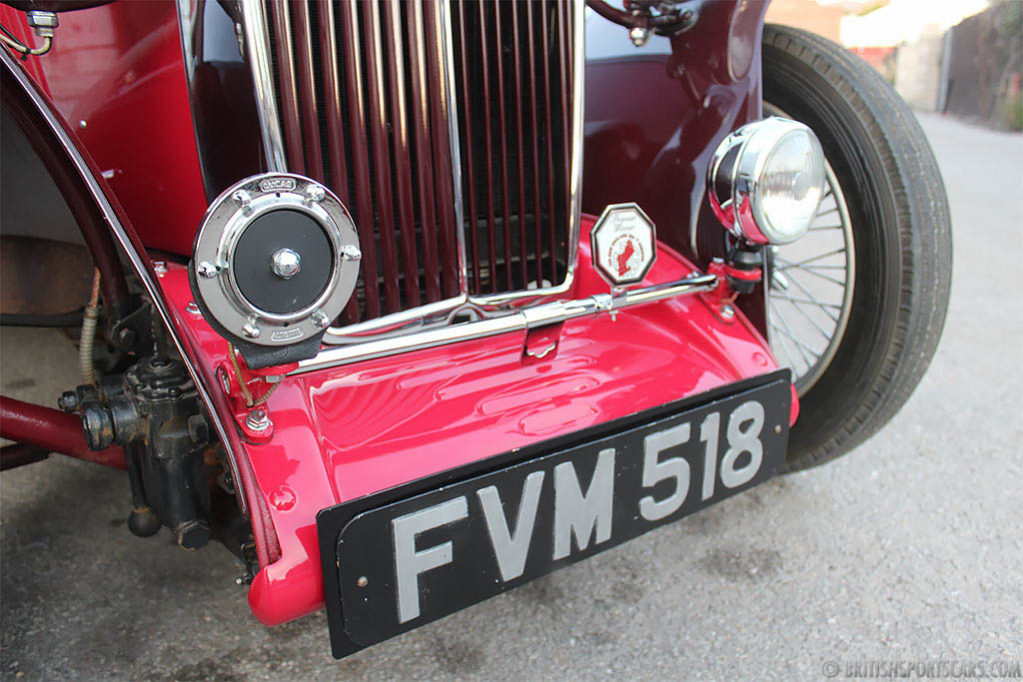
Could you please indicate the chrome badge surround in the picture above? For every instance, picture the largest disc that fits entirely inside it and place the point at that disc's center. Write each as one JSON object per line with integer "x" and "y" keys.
{"x": 226, "y": 220}
{"x": 623, "y": 244}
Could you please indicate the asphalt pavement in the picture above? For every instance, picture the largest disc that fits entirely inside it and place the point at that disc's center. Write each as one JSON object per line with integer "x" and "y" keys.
{"x": 908, "y": 549}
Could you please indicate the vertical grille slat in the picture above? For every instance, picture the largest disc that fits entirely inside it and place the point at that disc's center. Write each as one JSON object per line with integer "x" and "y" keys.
{"x": 564, "y": 63}
{"x": 469, "y": 169}
{"x": 307, "y": 92}
{"x": 437, "y": 90}
{"x": 503, "y": 128}
{"x": 520, "y": 186}
{"x": 537, "y": 230}
{"x": 287, "y": 90}
{"x": 378, "y": 128}
{"x": 402, "y": 152}
{"x": 369, "y": 94}
{"x": 360, "y": 157}
{"x": 332, "y": 100}
{"x": 487, "y": 145}
{"x": 337, "y": 163}
{"x": 424, "y": 166}
{"x": 552, "y": 220}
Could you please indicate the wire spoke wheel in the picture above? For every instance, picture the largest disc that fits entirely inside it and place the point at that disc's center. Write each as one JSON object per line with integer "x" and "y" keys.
{"x": 810, "y": 287}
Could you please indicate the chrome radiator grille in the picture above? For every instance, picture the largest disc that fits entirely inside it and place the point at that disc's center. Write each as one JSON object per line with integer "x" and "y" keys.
{"x": 448, "y": 129}
{"x": 513, "y": 61}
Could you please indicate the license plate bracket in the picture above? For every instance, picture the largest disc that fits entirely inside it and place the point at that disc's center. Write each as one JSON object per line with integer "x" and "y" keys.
{"x": 405, "y": 556}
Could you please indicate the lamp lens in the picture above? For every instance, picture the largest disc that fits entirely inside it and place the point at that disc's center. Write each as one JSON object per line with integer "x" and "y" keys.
{"x": 791, "y": 187}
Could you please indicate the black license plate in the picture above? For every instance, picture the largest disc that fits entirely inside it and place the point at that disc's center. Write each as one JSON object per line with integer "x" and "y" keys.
{"x": 406, "y": 556}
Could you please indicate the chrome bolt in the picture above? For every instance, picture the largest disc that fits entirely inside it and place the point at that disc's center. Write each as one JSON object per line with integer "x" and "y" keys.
{"x": 350, "y": 252}
{"x": 727, "y": 311}
{"x": 362, "y": 581}
{"x": 314, "y": 194}
{"x": 320, "y": 319}
{"x": 192, "y": 308}
{"x": 639, "y": 36}
{"x": 82, "y": 124}
{"x": 207, "y": 269}
{"x": 286, "y": 263}
{"x": 250, "y": 329}
{"x": 243, "y": 199}
{"x": 258, "y": 420}
{"x": 160, "y": 267}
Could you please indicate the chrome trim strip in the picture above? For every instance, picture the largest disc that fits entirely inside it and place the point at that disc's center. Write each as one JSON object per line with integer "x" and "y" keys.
{"x": 578, "y": 95}
{"x": 443, "y": 17}
{"x": 188, "y": 17}
{"x": 394, "y": 322}
{"x": 521, "y": 320}
{"x": 136, "y": 260}
{"x": 257, "y": 44}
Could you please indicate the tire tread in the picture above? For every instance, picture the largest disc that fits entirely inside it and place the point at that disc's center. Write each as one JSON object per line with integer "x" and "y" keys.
{"x": 924, "y": 229}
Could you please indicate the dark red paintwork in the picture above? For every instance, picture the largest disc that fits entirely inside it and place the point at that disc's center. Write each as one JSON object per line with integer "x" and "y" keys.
{"x": 342, "y": 433}
{"x": 119, "y": 69}
{"x": 51, "y": 430}
{"x": 654, "y": 120}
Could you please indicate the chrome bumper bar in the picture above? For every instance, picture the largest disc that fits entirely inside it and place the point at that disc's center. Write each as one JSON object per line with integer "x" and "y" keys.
{"x": 520, "y": 320}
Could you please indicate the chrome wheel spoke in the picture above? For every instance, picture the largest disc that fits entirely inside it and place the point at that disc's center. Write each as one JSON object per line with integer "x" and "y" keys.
{"x": 778, "y": 344}
{"x": 816, "y": 325}
{"x": 813, "y": 277}
{"x": 813, "y": 267}
{"x": 787, "y": 331}
{"x": 819, "y": 304}
{"x": 814, "y": 259}
{"x": 811, "y": 271}
{"x": 807, "y": 292}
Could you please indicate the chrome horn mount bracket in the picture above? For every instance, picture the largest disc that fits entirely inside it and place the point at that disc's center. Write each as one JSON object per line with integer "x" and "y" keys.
{"x": 275, "y": 261}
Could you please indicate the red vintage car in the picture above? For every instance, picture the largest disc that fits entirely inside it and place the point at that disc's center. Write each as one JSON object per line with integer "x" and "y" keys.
{"x": 407, "y": 304}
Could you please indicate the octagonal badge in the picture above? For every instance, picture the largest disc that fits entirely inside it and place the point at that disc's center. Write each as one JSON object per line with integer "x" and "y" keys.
{"x": 624, "y": 244}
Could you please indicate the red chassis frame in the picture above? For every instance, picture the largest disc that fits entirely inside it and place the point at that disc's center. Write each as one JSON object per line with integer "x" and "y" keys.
{"x": 345, "y": 432}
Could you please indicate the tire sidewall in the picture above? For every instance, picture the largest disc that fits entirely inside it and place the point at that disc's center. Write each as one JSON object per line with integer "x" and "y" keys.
{"x": 851, "y": 148}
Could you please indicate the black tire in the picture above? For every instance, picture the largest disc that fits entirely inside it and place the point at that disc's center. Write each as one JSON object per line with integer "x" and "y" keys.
{"x": 901, "y": 233}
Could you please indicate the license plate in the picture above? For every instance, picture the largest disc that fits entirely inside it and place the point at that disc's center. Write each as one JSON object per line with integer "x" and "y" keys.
{"x": 406, "y": 556}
